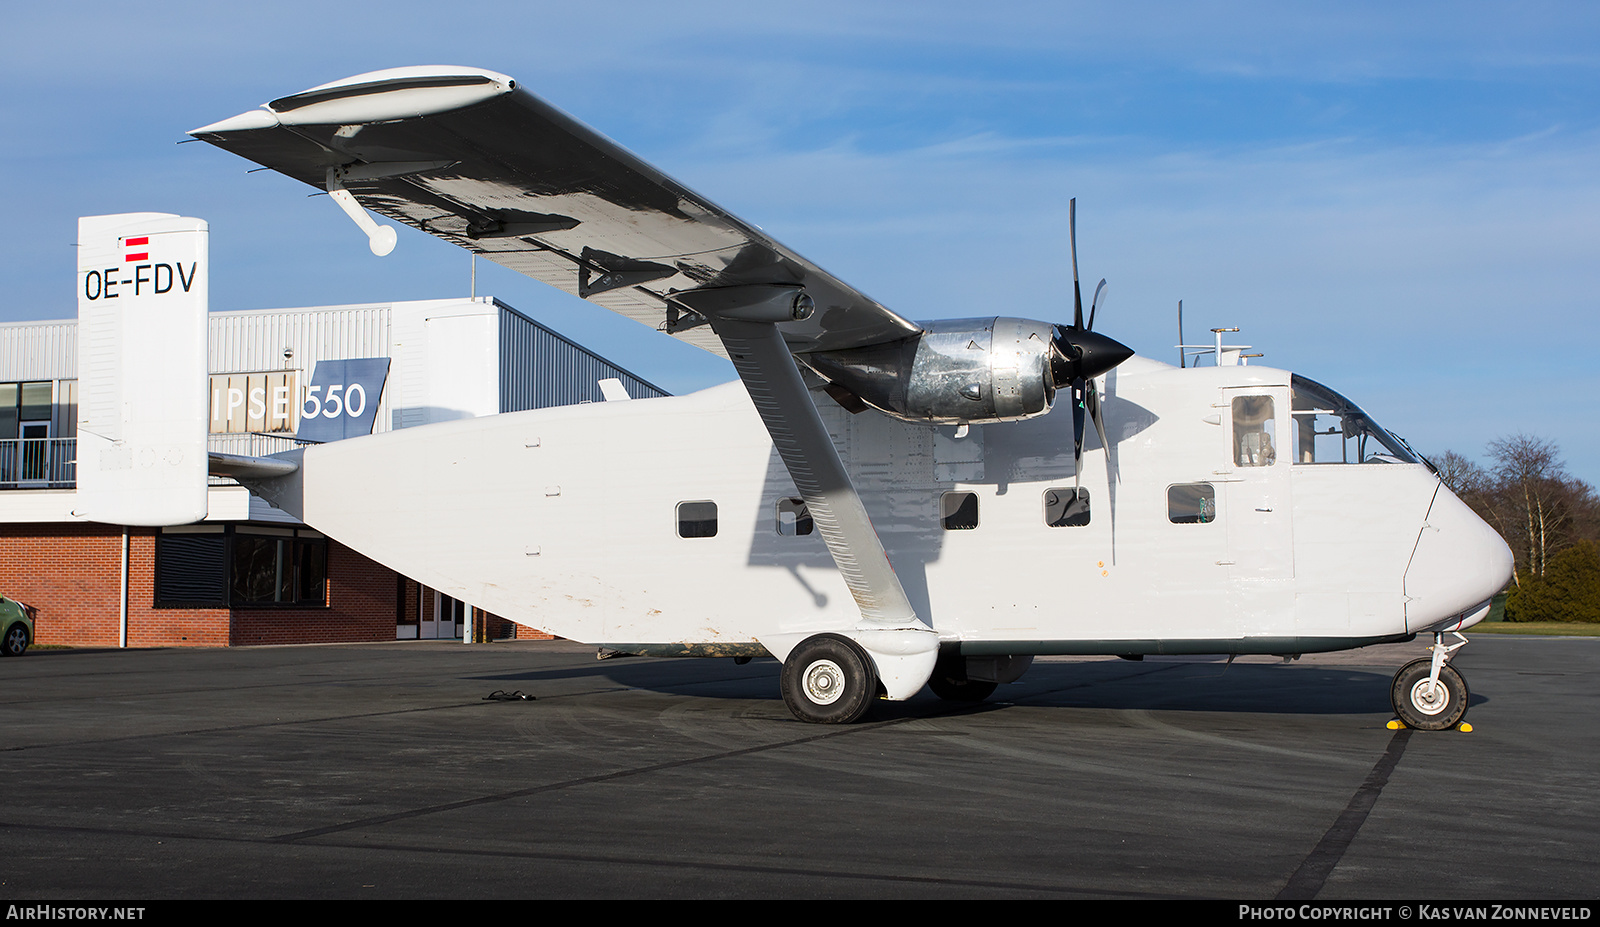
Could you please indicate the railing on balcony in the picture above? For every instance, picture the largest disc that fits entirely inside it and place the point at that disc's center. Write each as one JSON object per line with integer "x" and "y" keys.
{"x": 38, "y": 463}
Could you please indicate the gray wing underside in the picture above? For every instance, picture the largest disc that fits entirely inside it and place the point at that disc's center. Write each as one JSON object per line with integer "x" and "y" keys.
{"x": 526, "y": 186}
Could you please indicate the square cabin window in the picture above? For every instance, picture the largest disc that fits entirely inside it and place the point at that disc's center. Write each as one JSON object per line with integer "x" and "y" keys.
{"x": 1191, "y": 503}
{"x": 794, "y": 519}
{"x": 697, "y": 519}
{"x": 1255, "y": 432}
{"x": 958, "y": 511}
{"x": 1066, "y": 507}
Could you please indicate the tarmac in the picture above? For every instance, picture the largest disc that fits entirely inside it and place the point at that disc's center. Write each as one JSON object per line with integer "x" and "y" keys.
{"x": 382, "y": 771}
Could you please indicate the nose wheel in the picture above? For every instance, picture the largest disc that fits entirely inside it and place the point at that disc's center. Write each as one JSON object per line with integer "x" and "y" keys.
{"x": 1429, "y": 694}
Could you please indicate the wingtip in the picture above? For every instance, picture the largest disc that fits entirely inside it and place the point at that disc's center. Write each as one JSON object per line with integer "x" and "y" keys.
{"x": 254, "y": 119}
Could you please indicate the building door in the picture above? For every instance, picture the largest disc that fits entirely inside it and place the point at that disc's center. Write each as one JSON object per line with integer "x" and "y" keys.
{"x": 35, "y": 452}
{"x": 444, "y": 619}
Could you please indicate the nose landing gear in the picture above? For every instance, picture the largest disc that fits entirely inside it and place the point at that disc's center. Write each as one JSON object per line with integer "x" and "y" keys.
{"x": 1429, "y": 694}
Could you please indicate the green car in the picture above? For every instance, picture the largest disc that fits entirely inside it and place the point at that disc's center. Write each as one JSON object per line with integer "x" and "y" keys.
{"x": 17, "y": 620}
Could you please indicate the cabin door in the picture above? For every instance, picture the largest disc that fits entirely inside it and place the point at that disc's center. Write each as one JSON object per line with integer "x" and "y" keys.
{"x": 1257, "y": 503}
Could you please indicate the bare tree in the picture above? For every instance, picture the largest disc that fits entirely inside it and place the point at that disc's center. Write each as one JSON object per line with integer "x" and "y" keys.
{"x": 1528, "y": 496}
{"x": 1463, "y": 476}
{"x": 1534, "y": 496}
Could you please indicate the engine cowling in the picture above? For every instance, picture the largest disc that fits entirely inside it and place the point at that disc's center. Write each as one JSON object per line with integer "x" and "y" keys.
{"x": 969, "y": 370}
{"x": 956, "y": 371}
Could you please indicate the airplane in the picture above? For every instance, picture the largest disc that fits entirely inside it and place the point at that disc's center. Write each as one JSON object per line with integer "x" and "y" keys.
{"x": 883, "y": 504}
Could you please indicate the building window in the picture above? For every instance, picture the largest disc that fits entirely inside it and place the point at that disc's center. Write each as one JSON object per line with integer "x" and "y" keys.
{"x": 30, "y": 454}
{"x": 958, "y": 511}
{"x": 24, "y": 404}
{"x": 1066, "y": 507}
{"x": 794, "y": 519}
{"x": 231, "y": 566}
{"x": 1191, "y": 503}
{"x": 255, "y": 403}
{"x": 697, "y": 519}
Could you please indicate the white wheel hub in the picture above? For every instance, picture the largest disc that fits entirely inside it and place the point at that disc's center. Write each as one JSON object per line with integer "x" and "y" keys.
{"x": 1430, "y": 698}
{"x": 824, "y": 682}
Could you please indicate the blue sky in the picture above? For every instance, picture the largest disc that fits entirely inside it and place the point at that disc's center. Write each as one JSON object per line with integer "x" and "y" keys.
{"x": 1399, "y": 200}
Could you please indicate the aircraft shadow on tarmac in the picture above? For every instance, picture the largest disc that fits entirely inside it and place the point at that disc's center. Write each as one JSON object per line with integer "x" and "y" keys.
{"x": 1106, "y": 684}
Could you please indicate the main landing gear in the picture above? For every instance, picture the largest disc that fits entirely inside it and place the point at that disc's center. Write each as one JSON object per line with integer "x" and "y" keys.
{"x": 829, "y": 679}
{"x": 1429, "y": 694}
{"x": 951, "y": 682}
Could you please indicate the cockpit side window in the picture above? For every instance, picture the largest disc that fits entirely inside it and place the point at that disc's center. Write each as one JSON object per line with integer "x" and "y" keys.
{"x": 1255, "y": 432}
{"x": 1329, "y": 428}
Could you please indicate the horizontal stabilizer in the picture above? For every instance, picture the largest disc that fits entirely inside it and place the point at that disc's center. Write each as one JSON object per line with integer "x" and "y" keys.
{"x": 244, "y": 469}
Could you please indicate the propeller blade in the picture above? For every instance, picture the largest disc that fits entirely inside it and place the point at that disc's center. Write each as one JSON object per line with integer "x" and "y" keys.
{"x": 1078, "y": 397}
{"x": 1077, "y": 293}
{"x": 1092, "y": 402}
{"x": 1099, "y": 292}
{"x": 1112, "y": 476}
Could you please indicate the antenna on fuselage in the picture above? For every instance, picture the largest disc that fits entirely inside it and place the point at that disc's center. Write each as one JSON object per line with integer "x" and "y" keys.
{"x": 1223, "y": 355}
{"x": 1181, "y": 363}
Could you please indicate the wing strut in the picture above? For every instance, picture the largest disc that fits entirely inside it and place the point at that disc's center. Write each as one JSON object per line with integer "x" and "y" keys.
{"x": 902, "y": 644}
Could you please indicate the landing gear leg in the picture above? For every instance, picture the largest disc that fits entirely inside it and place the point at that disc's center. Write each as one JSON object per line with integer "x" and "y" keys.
{"x": 951, "y": 682}
{"x": 1429, "y": 694}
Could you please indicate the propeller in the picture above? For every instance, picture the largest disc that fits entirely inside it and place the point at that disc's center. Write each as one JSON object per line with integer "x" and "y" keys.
{"x": 1078, "y": 355}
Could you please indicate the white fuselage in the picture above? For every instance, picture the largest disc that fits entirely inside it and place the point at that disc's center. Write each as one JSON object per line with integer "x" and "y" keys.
{"x": 566, "y": 519}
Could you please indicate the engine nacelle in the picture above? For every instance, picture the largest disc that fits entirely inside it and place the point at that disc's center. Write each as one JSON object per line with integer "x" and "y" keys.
{"x": 957, "y": 371}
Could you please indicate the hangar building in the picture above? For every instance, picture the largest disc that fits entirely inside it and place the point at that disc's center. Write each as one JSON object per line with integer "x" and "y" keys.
{"x": 250, "y": 574}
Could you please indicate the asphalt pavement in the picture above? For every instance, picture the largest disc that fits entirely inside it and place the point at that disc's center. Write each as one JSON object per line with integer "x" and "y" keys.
{"x": 383, "y": 771}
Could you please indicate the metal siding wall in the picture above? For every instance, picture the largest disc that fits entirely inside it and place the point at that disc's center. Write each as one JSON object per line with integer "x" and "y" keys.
{"x": 539, "y": 368}
{"x": 246, "y": 342}
{"x": 39, "y": 351}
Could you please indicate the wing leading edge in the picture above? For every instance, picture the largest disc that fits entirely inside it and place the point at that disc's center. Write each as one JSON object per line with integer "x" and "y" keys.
{"x": 469, "y": 156}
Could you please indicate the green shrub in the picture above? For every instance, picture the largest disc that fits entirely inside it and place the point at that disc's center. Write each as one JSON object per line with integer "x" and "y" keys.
{"x": 1569, "y": 590}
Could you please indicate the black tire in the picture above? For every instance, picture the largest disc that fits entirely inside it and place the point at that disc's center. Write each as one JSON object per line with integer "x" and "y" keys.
{"x": 949, "y": 681}
{"x": 829, "y": 679}
{"x": 15, "y": 643}
{"x": 1414, "y": 705}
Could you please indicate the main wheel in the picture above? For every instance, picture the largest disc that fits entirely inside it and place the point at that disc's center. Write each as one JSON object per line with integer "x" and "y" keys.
{"x": 828, "y": 679}
{"x": 1427, "y": 707}
{"x": 951, "y": 683}
{"x": 16, "y": 640}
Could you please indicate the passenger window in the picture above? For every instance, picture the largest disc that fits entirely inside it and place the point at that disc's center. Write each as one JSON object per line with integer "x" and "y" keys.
{"x": 1191, "y": 503}
{"x": 697, "y": 519}
{"x": 1254, "y": 432}
{"x": 1066, "y": 508}
{"x": 958, "y": 511}
{"x": 793, "y": 518}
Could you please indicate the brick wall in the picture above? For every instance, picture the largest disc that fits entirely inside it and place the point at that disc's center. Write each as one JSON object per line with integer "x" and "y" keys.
{"x": 72, "y": 574}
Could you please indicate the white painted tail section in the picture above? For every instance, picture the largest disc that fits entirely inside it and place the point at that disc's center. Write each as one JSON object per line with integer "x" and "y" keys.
{"x": 142, "y": 302}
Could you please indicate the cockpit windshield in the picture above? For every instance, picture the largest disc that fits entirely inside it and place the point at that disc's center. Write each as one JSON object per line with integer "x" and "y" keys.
{"x": 1331, "y": 429}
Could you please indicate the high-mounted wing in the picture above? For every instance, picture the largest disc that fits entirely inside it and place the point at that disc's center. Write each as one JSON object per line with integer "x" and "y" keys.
{"x": 467, "y": 155}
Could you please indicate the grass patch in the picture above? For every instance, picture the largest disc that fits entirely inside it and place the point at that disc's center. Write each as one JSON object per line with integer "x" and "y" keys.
{"x": 1561, "y": 628}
